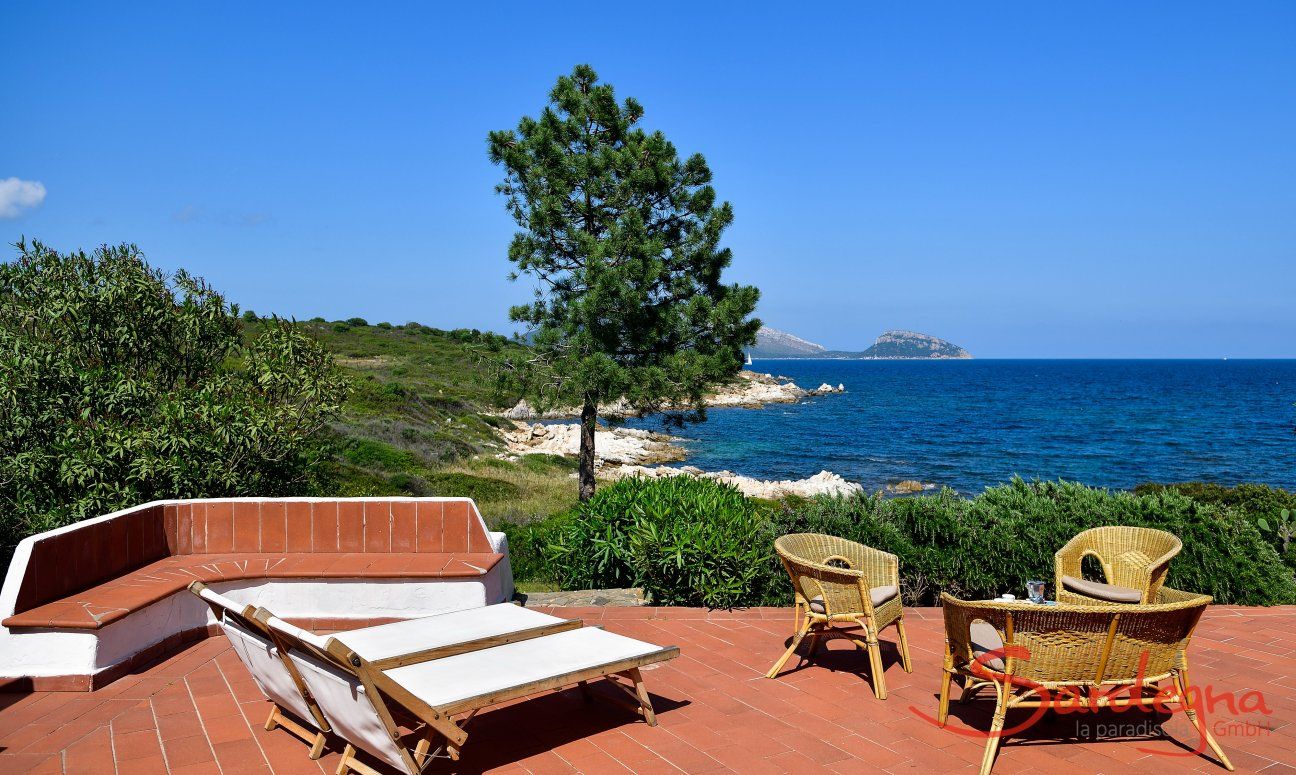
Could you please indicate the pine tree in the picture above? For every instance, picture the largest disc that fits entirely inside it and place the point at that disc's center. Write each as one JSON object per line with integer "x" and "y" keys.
{"x": 623, "y": 240}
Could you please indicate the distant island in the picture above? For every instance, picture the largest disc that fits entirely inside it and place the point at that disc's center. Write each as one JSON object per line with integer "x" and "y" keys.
{"x": 890, "y": 345}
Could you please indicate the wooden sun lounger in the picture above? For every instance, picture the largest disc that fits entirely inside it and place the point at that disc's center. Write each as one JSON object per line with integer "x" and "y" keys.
{"x": 385, "y": 645}
{"x": 432, "y": 637}
{"x": 431, "y": 684}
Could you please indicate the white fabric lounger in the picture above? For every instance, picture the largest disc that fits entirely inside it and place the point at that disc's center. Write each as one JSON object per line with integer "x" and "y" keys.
{"x": 394, "y": 643}
{"x": 275, "y": 676}
{"x": 462, "y": 682}
{"x": 362, "y": 700}
{"x": 444, "y": 631}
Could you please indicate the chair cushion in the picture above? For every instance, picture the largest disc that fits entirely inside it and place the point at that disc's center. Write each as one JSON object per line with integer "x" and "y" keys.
{"x": 1109, "y": 592}
{"x": 878, "y": 595}
{"x": 985, "y": 639}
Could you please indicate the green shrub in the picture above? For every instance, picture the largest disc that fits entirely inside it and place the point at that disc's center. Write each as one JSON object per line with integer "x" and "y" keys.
{"x": 368, "y": 453}
{"x": 451, "y": 484}
{"x": 121, "y": 384}
{"x": 686, "y": 541}
{"x": 357, "y": 322}
{"x": 528, "y": 544}
{"x": 1260, "y": 504}
{"x": 996, "y": 541}
{"x": 542, "y": 464}
{"x": 371, "y": 395}
{"x": 696, "y": 542}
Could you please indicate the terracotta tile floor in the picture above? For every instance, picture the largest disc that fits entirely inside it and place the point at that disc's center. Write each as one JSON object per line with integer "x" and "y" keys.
{"x": 197, "y": 711}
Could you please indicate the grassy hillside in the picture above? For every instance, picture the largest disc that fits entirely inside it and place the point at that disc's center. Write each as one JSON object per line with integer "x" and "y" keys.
{"x": 416, "y": 422}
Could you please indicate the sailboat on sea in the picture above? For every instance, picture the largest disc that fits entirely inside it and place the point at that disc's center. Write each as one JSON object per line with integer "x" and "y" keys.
{"x": 749, "y": 360}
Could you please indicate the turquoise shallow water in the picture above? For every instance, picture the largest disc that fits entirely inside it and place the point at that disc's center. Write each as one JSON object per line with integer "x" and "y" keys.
{"x": 970, "y": 424}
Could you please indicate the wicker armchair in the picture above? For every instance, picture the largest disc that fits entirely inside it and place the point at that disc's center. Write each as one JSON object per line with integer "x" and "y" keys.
{"x": 1135, "y": 561}
{"x": 840, "y": 586}
{"x": 1038, "y": 656}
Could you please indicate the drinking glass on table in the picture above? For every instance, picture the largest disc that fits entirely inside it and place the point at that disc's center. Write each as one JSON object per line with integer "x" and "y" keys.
{"x": 1035, "y": 591}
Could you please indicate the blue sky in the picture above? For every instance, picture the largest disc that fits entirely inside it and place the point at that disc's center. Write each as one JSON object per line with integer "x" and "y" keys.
{"x": 1025, "y": 179}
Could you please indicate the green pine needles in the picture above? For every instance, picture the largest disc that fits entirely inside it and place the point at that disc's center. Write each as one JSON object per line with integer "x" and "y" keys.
{"x": 622, "y": 238}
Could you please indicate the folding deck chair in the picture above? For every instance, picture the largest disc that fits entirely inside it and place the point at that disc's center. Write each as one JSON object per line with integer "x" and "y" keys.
{"x": 384, "y": 644}
{"x": 366, "y": 700}
{"x": 273, "y": 673}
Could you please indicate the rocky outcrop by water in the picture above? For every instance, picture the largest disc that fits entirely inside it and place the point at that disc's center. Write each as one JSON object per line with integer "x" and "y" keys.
{"x": 909, "y": 486}
{"x": 622, "y": 452}
{"x": 753, "y": 390}
{"x": 749, "y": 390}
{"x": 822, "y": 483}
{"x": 612, "y": 446}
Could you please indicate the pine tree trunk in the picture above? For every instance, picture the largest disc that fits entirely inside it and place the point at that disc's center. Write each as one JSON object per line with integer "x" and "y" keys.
{"x": 589, "y": 416}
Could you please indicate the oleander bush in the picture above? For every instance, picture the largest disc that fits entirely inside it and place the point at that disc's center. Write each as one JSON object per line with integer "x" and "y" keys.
{"x": 686, "y": 541}
{"x": 696, "y": 542}
{"x": 121, "y": 384}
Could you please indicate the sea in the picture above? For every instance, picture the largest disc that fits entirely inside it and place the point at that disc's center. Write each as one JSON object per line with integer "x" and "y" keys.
{"x": 971, "y": 424}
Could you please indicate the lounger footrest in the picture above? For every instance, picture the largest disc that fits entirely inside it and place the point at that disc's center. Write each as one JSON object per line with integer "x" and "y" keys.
{"x": 465, "y": 681}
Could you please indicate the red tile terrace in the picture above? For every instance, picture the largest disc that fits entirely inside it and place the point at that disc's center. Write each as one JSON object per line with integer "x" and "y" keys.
{"x": 101, "y": 607}
{"x": 196, "y": 710}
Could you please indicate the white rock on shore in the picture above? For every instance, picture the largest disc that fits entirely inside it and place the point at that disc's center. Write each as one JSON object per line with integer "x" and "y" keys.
{"x": 753, "y": 390}
{"x": 623, "y": 452}
{"x": 613, "y": 446}
{"x": 822, "y": 483}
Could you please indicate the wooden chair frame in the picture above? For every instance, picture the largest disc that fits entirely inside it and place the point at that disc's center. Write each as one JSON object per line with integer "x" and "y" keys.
{"x": 847, "y": 601}
{"x": 430, "y": 724}
{"x": 1013, "y": 690}
{"x": 278, "y": 718}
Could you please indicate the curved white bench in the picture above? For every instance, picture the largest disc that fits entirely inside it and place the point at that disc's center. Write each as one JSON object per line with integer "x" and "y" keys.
{"x": 83, "y": 604}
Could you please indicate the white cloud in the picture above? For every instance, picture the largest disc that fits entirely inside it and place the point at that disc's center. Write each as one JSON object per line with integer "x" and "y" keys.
{"x": 187, "y": 214}
{"x": 18, "y": 195}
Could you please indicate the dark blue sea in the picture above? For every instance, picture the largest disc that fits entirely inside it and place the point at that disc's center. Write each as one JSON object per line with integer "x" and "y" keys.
{"x": 971, "y": 424}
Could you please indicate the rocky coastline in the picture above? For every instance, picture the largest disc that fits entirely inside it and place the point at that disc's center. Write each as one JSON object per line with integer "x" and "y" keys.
{"x": 613, "y": 447}
{"x": 626, "y": 452}
{"x": 623, "y": 452}
{"x": 822, "y": 483}
{"x": 749, "y": 390}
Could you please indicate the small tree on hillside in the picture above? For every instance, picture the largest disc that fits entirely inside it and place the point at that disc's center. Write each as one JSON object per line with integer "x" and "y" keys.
{"x": 120, "y": 385}
{"x": 623, "y": 238}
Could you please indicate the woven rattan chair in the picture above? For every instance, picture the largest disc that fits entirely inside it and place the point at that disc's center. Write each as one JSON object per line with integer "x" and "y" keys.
{"x": 1041, "y": 656}
{"x": 1135, "y": 561}
{"x": 840, "y": 586}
